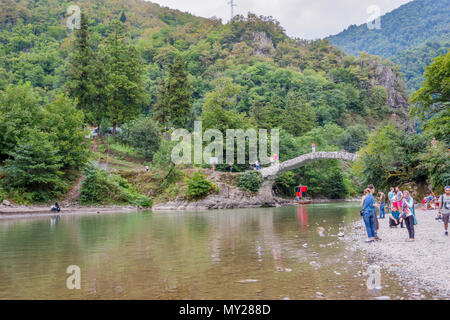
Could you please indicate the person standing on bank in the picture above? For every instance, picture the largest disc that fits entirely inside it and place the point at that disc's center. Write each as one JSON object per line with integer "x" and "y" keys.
{"x": 368, "y": 214}
{"x": 382, "y": 200}
{"x": 409, "y": 202}
{"x": 408, "y": 217}
{"x": 391, "y": 196}
{"x": 371, "y": 188}
{"x": 398, "y": 198}
{"x": 444, "y": 208}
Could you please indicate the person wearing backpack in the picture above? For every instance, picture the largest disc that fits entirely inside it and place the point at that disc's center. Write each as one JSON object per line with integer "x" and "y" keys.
{"x": 444, "y": 208}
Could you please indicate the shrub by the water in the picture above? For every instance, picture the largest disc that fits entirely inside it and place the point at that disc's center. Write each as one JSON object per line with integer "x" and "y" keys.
{"x": 250, "y": 181}
{"x": 102, "y": 187}
{"x": 198, "y": 187}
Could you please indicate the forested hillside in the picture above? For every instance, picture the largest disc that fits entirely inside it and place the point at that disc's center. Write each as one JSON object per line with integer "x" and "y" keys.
{"x": 414, "y": 61}
{"x": 147, "y": 69}
{"x": 420, "y": 28}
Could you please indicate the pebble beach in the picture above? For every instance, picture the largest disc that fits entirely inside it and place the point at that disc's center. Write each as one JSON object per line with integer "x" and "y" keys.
{"x": 422, "y": 265}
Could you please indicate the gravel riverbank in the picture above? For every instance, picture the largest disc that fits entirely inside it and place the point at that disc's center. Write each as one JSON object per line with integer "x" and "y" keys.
{"x": 14, "y": 212}
{"x": 423, "y": 264}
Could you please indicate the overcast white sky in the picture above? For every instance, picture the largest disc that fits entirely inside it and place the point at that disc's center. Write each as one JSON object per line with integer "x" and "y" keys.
{"x": 307, "y": 19}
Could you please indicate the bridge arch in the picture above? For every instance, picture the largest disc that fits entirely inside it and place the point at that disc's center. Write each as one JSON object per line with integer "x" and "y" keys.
{"x": 270, "y": 174}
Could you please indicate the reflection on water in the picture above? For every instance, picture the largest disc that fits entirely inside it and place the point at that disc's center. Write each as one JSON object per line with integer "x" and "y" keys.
{"x": 272, "y": 253}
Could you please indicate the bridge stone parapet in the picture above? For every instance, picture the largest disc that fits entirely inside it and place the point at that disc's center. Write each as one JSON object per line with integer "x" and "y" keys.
{"x": 273, "y": 172}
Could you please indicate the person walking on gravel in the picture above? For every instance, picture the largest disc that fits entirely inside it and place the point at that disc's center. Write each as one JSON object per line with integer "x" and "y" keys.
{"x": 444, "y": 208}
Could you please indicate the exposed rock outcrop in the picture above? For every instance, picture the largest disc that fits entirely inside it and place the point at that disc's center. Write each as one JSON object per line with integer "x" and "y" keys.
{"x": 262, "y": 44}
{"x": 397, "y": 101}
{"x": 229, "y": 197}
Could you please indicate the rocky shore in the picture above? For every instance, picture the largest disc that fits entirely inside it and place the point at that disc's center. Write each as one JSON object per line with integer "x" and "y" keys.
{"x": 12, "y": 211}
{"x": 422, "y": 265}
{"x": 228, "y": 197}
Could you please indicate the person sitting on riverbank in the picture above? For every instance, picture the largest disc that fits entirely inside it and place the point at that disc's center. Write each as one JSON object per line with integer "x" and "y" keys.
{"x": 394, "y": 217}
{"x": 55, "y": 208}
{"x": 431, "y": 201}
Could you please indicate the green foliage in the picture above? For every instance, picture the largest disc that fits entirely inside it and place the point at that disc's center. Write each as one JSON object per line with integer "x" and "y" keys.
{"x": 355, "y": 138}
{"x": 19, "y": 109}
{"x": 142, "y": 134}
{"x": 286, "y": 183}
{"x": 163, "y": 169}
{"x": 35, "y": 166}
{"x": 410, "y": 36}
{"x": 177, "y": 68}
{"x": 390, "y": 157}
{"x": 174, "y": 98}
{"x": 121, "y": 85}
{"x": 436, "y": 160}
{"x": 414, "y": 61}
{"x": 325, "y": 179}
{"x": 250, "y": 181}
{"x": 65, "y": 125}
{"x": 80, "y": 84}
{"x": 198, "y": 187}
{"x": 42, "y": 140}
{"x": 434, "y": 96}
{"x": 99, "y": 186}
{"x": 404, "y": 28}
{"x": 432, "y": 101}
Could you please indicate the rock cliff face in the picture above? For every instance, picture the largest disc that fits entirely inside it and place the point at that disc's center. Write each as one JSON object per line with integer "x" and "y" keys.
{"x": 397, "y": 92}
{"x": 262, "y": 44}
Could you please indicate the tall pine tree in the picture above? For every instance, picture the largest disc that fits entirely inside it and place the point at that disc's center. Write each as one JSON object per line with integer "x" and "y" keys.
{"x": 122, "y": 87}
{"x": 79, "y": 82}
{"x": 161, "y": 107}
{"x": 173, "y": 106}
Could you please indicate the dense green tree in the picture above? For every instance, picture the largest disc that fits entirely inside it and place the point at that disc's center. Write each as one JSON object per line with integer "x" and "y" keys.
{"x": 433, "y": 99}
{"x": 324, "y": 179}
{"x": 143, "y": 134}
{"x": 391, "y": 157}
{"x": 65, "y": 126}
{"x": 123, "y": 86}
{"x": 161, "y": 107}
{"x": 80, "y": 69}
{"x": 20, "y": 109}
{"x": 436, "y": 160}
{"x": 35, "y": 166}
{"x": 175, "y": 96}
{"x": 355, "y": 138}
{"x": 298, "y": 116}
{"x": 219, "y": 110}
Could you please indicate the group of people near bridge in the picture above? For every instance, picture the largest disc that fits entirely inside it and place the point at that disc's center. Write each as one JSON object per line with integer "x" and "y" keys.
{"x": 401, "y": 211}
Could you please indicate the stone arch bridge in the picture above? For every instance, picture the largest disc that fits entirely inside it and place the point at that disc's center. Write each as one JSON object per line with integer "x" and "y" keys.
{"x": 270, "y": 174}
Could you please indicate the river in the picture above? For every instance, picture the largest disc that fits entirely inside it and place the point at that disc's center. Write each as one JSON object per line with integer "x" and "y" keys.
{"x": 267, "y": 253}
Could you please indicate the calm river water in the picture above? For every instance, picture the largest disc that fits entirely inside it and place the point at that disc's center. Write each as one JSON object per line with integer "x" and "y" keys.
{"x": 273, "y": 253}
